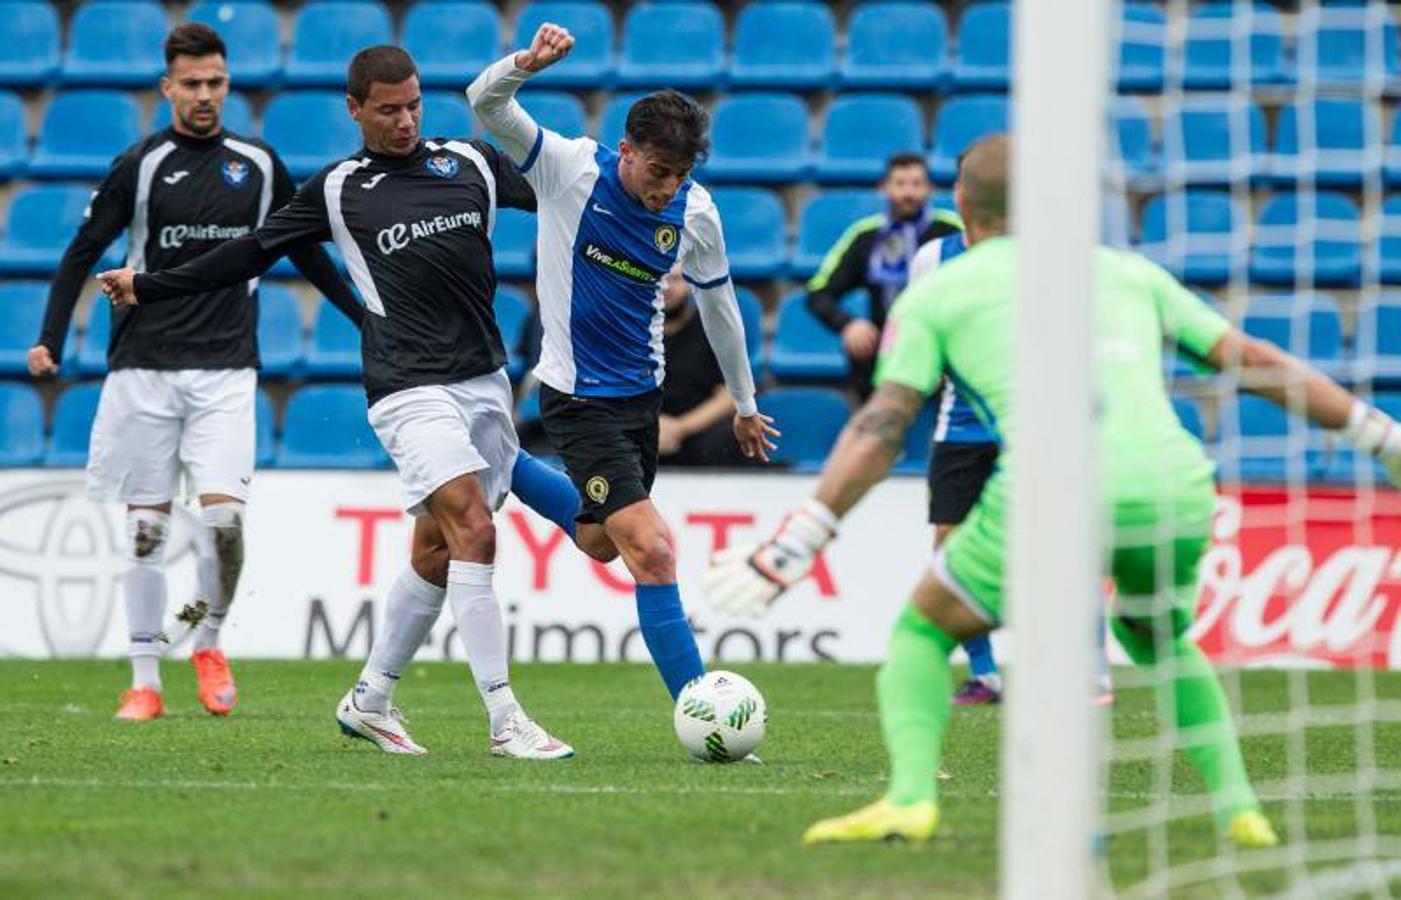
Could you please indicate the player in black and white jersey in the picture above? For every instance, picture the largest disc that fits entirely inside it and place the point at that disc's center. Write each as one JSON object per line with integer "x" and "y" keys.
{"x": 182, "y": 381}
{"x": 412, "y": 219}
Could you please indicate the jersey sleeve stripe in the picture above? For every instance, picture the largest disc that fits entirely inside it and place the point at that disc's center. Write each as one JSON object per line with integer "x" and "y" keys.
{"x": 706, "y": 285}
{"x": 140, "y": 219}
{"x": 354, "y": 259}
{"x": 534, "y": 150}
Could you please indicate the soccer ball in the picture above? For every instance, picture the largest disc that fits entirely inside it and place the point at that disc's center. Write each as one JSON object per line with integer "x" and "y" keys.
{"x": 720, "y": 717}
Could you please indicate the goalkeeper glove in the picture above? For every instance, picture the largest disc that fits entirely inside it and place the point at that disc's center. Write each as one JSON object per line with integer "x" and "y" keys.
{"x": 746, "y": 580}
{"x": 1373, "y": 431}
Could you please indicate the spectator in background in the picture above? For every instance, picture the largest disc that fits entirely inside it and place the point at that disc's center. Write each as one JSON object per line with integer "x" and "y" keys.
{"x": 696, "y": 407}
{"x": 875, "y": 253}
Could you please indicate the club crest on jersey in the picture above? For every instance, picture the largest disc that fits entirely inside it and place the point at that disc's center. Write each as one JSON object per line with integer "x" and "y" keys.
{"x": 665, "y": 238}
{"x": 235, "y": 172}
{"x": 442, "y": 165}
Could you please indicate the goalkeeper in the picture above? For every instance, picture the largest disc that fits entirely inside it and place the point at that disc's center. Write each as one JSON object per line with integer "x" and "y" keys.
{"x": 1156, "y": 484}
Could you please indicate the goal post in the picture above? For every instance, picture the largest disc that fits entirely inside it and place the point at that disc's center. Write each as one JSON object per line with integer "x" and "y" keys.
{"x": 1051, "y": 743}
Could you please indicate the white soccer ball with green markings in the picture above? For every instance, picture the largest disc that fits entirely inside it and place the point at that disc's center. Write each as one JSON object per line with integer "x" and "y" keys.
{"x": 720, "y": 717}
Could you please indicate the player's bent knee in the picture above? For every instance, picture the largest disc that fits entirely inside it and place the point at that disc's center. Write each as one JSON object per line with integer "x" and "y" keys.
{"x": 471, "y": 536}
{"x": 595, "y": 543}
{"x": 944, "y": 608}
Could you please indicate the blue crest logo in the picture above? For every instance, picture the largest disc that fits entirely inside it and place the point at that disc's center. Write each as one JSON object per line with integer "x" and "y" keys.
{"x": 442, "y": 165}
{"x": 235, "y": 173}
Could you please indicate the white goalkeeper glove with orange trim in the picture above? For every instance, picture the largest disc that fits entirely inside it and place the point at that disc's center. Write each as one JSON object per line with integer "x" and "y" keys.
{"x": 746, "y": 580}
{"x": 1373, "y": 431}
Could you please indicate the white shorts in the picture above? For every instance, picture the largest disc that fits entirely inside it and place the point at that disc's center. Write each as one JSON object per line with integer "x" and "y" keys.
{"x": 438, "y": 432}
{"x": 150, "y": 422}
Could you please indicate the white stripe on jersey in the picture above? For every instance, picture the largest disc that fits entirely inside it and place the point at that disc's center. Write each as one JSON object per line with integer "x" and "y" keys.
{"x": 558, "y": 227}
{"x": 946, "y": 399}
{"x": 263, "y": 161}
{"x": 354, "y": 259}
{"x": 467, "y": 150}
{"x": 141, "y": 210}
{"x": 926, "y": 260}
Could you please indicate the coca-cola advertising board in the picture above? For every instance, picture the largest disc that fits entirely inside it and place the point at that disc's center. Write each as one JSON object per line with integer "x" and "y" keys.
{"x": 1293, "y": 579}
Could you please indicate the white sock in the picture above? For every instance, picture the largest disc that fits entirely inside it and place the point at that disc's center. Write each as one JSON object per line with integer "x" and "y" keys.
{"x": 414, "y": 605}
{"x": 482, "y": 630}
{"x": 218, "y": 573}
{"x": 143, "y": 586}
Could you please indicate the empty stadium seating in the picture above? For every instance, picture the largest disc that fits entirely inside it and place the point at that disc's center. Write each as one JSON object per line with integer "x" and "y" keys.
{"x": 751, "y": 312}
{"x": 862, "y": 131}
{"x": 895, "y": 46}
{"x": 115, "y": 42}
{"x": 281, "y": 342}
{"x": 803, "y": 348}
{"x": 591, "y": 63}
{"x": 1333, "y": 46}
{"x": 1196, "y": 235}
{"x": 251, "y": 34}
{"x": 325, "y": 426}
{"x": 1189, "y": 414}
{"x": 14, "y": 139}
{"x": 29, "y": 55}
{"x": 784, "y": 44}
{"x": 265, "y": 452}
{"x": 759, "y": 138}
{"x": 984, "y": 42}
{"x": 334, "y": 348}
{"x": 960, "y": 122}
{"x": 82, "y": 131}
{"x": 1259, "y": 441}
{"x": 560, "y": 112}
{"x": 1378, "y": 341}
{"x": 1142, "y": 55}
{"x": 42, "y": 220}
{"x": 447, "y": 115}
{"x": 309, "y": 130}
{"x": 810, "y": 418}
{"x": 1326, "y": 141}
{"x": 72, "y": 425}
{"x": 21, "y": 316}
{"x": 90, "y": 360}
{"x": 21, "y": 424}
{"x": 237, "y": 116}
{"x": 613, "y": 122}
{"x": 1388, "y": 247}
{"x": 823, "y": 219}
{"x": 327, "y": 34}
{"x": 513, "y": 243}
{"x": 1131, "y": 151}
{"x": 450, "y": 40}
{"x": 754, "y": 225}
{"x": 1213, "y": 59}
{"x": 1307, "y": 325}
{"x": 691, "y": 56}
{"x": 512, "y": 312}
{"x": 1327, "y": 224}
{"x": 1212, "y": 141}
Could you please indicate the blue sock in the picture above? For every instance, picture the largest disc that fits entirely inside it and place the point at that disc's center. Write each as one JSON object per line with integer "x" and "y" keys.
{"x": 668, "y": 636}
{"x": 980, "y": 660}
{"x": 547, "y": 491}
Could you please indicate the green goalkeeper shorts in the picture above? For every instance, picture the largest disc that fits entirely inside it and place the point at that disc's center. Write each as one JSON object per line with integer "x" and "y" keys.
{"x": 1153, "y": 554}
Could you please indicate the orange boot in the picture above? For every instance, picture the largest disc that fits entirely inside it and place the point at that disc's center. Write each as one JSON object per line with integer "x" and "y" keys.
{"x": 140, "y": 704}
{"x": 216, "y": 685}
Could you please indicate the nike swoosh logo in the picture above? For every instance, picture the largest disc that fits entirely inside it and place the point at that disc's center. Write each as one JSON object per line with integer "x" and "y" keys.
{"x": 370, "y": 185}
{"x": 175, "y": 177}
{"x": 601, "y": 211}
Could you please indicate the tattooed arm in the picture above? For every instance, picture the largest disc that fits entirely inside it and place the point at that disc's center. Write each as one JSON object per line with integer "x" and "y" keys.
{"x": 869, "y": 445}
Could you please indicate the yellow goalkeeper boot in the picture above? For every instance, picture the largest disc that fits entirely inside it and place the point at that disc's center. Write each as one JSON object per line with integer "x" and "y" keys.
{"x": 1251, "y": 830}
{"x": 881, "y": 821}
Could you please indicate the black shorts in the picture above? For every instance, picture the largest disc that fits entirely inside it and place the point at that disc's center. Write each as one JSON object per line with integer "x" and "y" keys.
{"x": 957, "y": 473}
{"x": 608, "y": 444}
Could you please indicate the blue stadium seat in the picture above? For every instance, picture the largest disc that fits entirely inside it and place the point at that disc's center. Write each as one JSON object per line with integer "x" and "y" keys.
{"x": 759, "y": 138}
{"x": 446, "y": 114}
{"x": 558, "y": 111}
{"x": 1189, "y": 414}
{"x": 1192, "y": 233}
{"x": 326, "y": 426}
{"x": 252, "y": 35}
{"x": 327, "y": 34}
{"x": 751, "y": 312}
{"x": 1307, "y": 325}
{"x": 1388, "y": 246}
{"x": 811, "y": 419}
{"x": 1336, "y": 41}
{"x": 919, "y": 440}
{"x": 690, "y": 55}
{"x": 984, "y": 41}
{"x": 266, "y": 452}
{"x": 1142, "y": 47}
{"x": 1261, "y": 442}
{"x": 591, "y": 63}
{"x": 612, "y": 125}
{"x": 1391, "y": 166}
{"x": 1378, "y": 343}
{"x": 42, "y": 220}
{"x": 21, "y": 316}
{"x": 281, "y": 341}
{"x": 83, "y": 131}
{"x": 91, "y": 358}
{"x": 309, "y": 130}
{"x": 512, "y": 313}
{"x": 237, "y": 116}
{"x": 896, "y": 46}
{"x": 72, "y": 425}
{"x": 334, "y": 348}
{"x": 21, "y": 425}
{"x": 451, "y": 40}
{"x": 823, "y": 219}
{"x": 803, "y": 348}
{"x": 787, "y": 44}
{"x": 960, "y": 122}
{"x": 116, "y": 42}
{"x": 1133, "y": 154}
{"x": 14, "y": 136}
{"x": 1335, "y": 238}
{"x": 513, "y": 244}
{"x": 1208, "y": 55}
{"x": 1327, "y": 141}
{"x": 755, "y": 231}
{"x": 864, "y": 130}
{"x": 1207, "y": 139}
{"x": 29, "y": 55}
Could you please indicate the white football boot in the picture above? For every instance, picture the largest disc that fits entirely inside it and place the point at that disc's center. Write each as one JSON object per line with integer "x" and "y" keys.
{"x": 521, "y": 738}
{"x": 385, "y": 730}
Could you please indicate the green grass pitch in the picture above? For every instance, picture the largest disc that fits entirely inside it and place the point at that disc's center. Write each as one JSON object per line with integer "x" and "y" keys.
{"x": 272, "y": 801}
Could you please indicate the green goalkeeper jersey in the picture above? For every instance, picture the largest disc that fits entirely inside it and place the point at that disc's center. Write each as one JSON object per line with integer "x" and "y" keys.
{"x": 959, "y": 321}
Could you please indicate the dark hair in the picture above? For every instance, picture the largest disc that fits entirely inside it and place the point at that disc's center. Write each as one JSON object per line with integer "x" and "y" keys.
{"x": 901, "y": 160}
{"x": 380, "y": 64}
{"x": 193, "y": 39}
{"x": 672, "y": 123}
